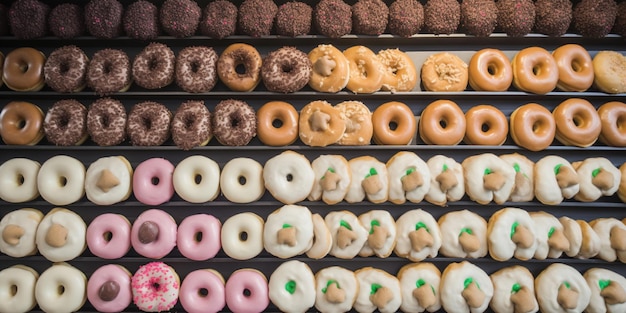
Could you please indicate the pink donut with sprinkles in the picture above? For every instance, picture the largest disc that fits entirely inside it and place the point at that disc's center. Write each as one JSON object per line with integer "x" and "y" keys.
{"x": 255, "y": 283}
{"x": 195, "y": 285}
{"x": 108, "y": 236}
{"x": 152, "y": 181}
{"x": 153, "y": 234}
{"x": 155, "y": 287}
{"x": 205, "y": 227}
{"x": 108, "y": 289}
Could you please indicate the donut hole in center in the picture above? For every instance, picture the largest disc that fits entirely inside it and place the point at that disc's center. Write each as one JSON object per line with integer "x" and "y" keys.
{"x": 107, "y": 67}
{"x": 147, "y": 123}
{"x": 243, "y": 236}
{"x": 242, "y": 180}
{"x": 536, "y": 70}
{"x": 189, "y": 122}
{"x": 578, "y": 121}
{"x": 286, "y": 67}
{"x": 276, "y": 123}
{"x": 247, "y": 292}
{"x": 154, "y": 180}
{"x": 198, "y": 236}
{"x": 60, "y": 290}
{"x": 21, "y": 124}
{"x": 203, "y": 292}
{"x": 156, "y": 286}
{"x": 13, "y": 290}
{"x": 620, "y": 122}
{"x": 197, "y": 179}
{"x": 194, "y": 66}
{"x": 491, "y": 69}
{"x": 240, "y": 69}
{"x": 20, "y": 179}
{"x": 107, "y": 236}
{"x": 485, "y": 127}
{"x": 289, "y": 177}
{"x": 576, "y": 67}
{"x": 153, "y": 64}
{"x": 443, "y": 123}
{"x": 64, "y": 68}
{"x": 393, "y": 125}
{"x": 235, "y": 120}
{"x": 64, "y": 120}
{"x": 24, "y": 67}
{"x": 104, "y": 120}
{"x": 62, "y": 181}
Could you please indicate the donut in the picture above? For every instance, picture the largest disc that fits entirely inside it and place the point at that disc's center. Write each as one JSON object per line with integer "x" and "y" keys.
{"x": 104, "y": 18}
{"x": 148, "y": 124}
{"x": 621, "y": 192}
{"x": 535, "y": 70}
{"x": 369, "y": 17}
{"x": 288, "y": 177}
{"x": 322, "y": 238}
{"x": 61, "y": 235}
{"x": 153, "y": 67}
{"x": 612, "y": 116}
{"x": 555, "y": 180}
{"x": 106, "y": 122}
{"x": 485, "y": 125}
{"x": 292, "y": 287}
{"x": 241, "y": 180}
{"x": 594, "y": 19}
{"x": 277, "y": 123}
{"x": 463, "y": 235}
{"x": 18, "y": 288}
{"x": 198, "y": 237}
{"x": 18, "y": 229}
{"x": 369, "y": 180}
{"x": 577, "y": 122}
{"x": 27, "y": 19}
{"x": 607, "y": 290}
{"x": 336, "y": 289}
{"x": 65, "y": 123}
{"x": 465, "y": 287}
{"x": 523, "y": 190}
{"x": 381, "y": 230}
{"x": 516, "y": 17}
{"x": 400, "y": 73}
{"x": 394, "y": 124}
{"x": 598, "y": 177}
{"x": 293, "y": 19}
{"x": 442, "y": 16}
{"x": 108, "y": 236}
{"x": 21, "y": 123}
{"x": 409, "y": 177}
{"x": 108, "y": 288}
{"x": 288, "y": 231}
{"x": 18, "y": 180}
{"x": 109, "y": 71}
{"x": 611, "y": 232}
{"x": 478, "y": 17}
{"x": 561, "y": 288}
{"x": 61, "y": 288}
{"x": 196, "y": 69}
{"x": 553, "y": 18}
{"x": 358, "y": 120}
{"x": 256, "y": 17}
{"x": 219, "y": 19}
{"x": 490, "y": 70}
{"x": 23, "y": 68}
{"x": 65, "y": 69}
{"x": 511, "y": 233}
{"x": 242, "y": 236}
{"x": 155, "y": 287}
{"x": 366, "y": 72}
{"x": 377, "y": 290}
{"x": 180, "y": 18}
{"x": 153, "y": 182}
{"x": 514, "y": 290}
{"x": 61, "y": 180}
{"x": 191, "y": 125}
{"x": 141, "y": 20}
{"x": 333, "y": 18}
{"x": 234, "y": 122}
{"x": 153, "y": 234}
{"x": 348, "y": 234}
{"x": 575, "y": 68}
{"x": 108, "y": 180}
{"x": 446, "y": 180}
{"x": 487, "y": 178}
{"x": 255, "y": 300}
{"x": 444, "y": 71}
{"x": 419, "y": 284}
{"x": 196, "y": 179}
{"x": 418, "y": 235}
{"x": 442, "y": 122}
{"x": 329, "y": 67}
{"x": 406, "y": 18}
{"x": 320, "y": 124}
{"x": 608, "y": 70}
{"x": 550, "y": 236}
{"x": 532, "y": 127}
{"x": 286, "y": 70}
{"x": 195, "y": 283}
{"x": 332, "y": 178}
{"x": 235, "y": 55}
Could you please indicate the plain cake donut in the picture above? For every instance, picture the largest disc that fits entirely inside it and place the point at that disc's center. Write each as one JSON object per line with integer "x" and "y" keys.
{"x": 577, "y": 122}
{"x": 21, "y": 123}
{"x": 575, "y": 68}
{"x": 535, "y": 71}
{"x": 286, "y": 70}
{"x": 532, "y": 127}
{"x": 442, "y": 123}
{"x": 240, "y": 54}
{"x": 490, "y": 70}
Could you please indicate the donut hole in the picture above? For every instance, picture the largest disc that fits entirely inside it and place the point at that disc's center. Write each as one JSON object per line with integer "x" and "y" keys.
{"x": 235, "y": 120}
{"x": 154, "y": 180}
{"x": 243, "y": 236}
{"x": 393, "y": 125}
{"x": 286, "y": 67}
{"x": 153, "y": 64}
{"x": 578, "y": 121}
{"x": 443, "y": 124}
{"x": 62, "y": 181}
{"x": 491, "y": 69}
{"x": 21, "y": 124}
{"x": 576, "y": 67}
{"x": 198, "y": 236}
{"x": 242, "y": 180}
{"x": 197, "y": 179}
{"x": 277, "y": 123}
{"x": 240, "y": 69}
{"x": 536, "y": 70}
{"x": 24, "y": 67}
{"x": 484, "y": 127}
{"x": 289, "y": 177}
{"x": 64, "y": 68}
{"x": 107, "y": 236}
{"x": 20, "y": 179}
{"x": 247, "y": 292}
{"x": 156, "y": 286}
{"x": 147, "y": 123}
{"x": 620, "y": 122}
{"x": 64, "y": 120}
{"x": 105, "y": 121}
{"x": 203, "y": 292}
{"x": 60, "y": 290}
{"x": 13, "y": 290}
{"x": 107, "y": 67}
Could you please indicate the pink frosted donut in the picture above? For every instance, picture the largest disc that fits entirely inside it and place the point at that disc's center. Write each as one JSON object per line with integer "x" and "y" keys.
{"x": 153, "y": 234}
{"x": 203, "y": 226}
{"x": 255, "y": 283}
{"x": 155, "y": 287}
{"x": 108, "y": 289}
{"x": 108, "y": 236}
{"x": 152, "y": 181}
{"x": 198, "y": 283}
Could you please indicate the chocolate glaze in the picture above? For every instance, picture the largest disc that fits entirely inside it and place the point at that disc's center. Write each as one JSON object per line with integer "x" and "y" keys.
{"x": 148, "y": 124}
{"x": 286, "y": 70}
{"x": 141, "y": 20}
{"x": 66, "y": 21}
{"x": 106, "y": 122}
{"x": 594, "y": 18}
{"x": 104, "y": 18}
{"x": 293, "y": 19}
{"x": 27, "y": 19}
{"x": 66, "y": 123}
{"x": 180, "y": 18}
{"x": 234, "y": 123}
{"x": 479, "y": 17}
{"x": 333, "y": 18}
{"x": 219, "y": 19}
{"x": 153, "y": 67}
{"x": 148, "y": 232}
{"x": 191, "y": 125}
{"x": 406, "y": 18}
{"x": 553, "y": 17}
{"x": 66, "y": 69}
{"x": 442, "y": 16}
{"x": 369, "y": 17}
{"x": 196, "y": 69}
{"x": 256, "y": 17}
{"x": 516, "y": 17}
{"x": 109, "y": 71}
{"x": 109, "y": 291}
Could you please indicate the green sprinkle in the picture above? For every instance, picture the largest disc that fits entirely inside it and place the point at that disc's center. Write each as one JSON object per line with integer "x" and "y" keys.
{"x": 595, "y": 172}
{"x": 421, "y": 225}
{"x": 488, "y": 171}
{"x": 603, "y": 283}
{"x": 551, "y": 232}
{"x": 445, "y": 168}
{"x": 466, "y": 230}
{"x": 409, "y": 171}
{"x": 467, "y": 282}
{"x": 345, "y": 224}
{"x": 287, "y": 225}
{"x": 375, "y": 288}
{"x": 371, "y": 173}
{"x": 372, "y": 224}
{"x": 567, "y": 285}
{"x": 516, "y": 288}
{"x": 516, "y": 167}
{"x": 330, "y": 169}
{"x": 513, "y": 227}
{"x": 420, "y": 282}
{"x": 290, "y": 286}
{"x": 557, "y": 168}
{"x": 328, "y": 283}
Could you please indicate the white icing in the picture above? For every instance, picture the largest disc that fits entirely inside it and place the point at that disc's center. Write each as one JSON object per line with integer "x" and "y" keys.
{"x": 597, "y": 303}
{"x": 501, "y": 245}
{"x": 453, "y": 284}
{"x": 61, "y": 180}
{"x": 573, "y": 233}
{"x": 322, "y": 238}
{"x": 547, "y": 189}
{"x": 550, "y": 280}
{"x": 588, "y": 191}
{"x": 302, "y": 296}
{"x": 288, "y": 215}
{"x": 406, "y": 224}
{"x": 503, "y": 282}
{"x": 23, "y": 279}
{"x": 248, "y": 223}
{"x": 120, "y": 169}
{"x": 386, "y": 221}
{"x": 526, "y": 168}
{"x": 333, "y": 221}
{"x": 544, "y": 222}
{"x": 18, "y": 180}
{"x": 603, "y": 227}
{"x": 251, "y": 190}
{"x": 75, "y": 240}
{"x": 397, "y": 168}
{"x": 185, "y": 175}
{"x": 74, "y": 285}
{"x": 288, "y": 177}
{"x": 435, "y": 195}
{"x": 346, "y": 281}
{"x": 474, "y": 172}
{"x": 409, "y": 277}
{"x": 370, "y": 276}
{"x": 28, "y": 220}
{"x": 451, "y": 226}
{"x": 340, "y": 165}
{"x": 360, "y": 168}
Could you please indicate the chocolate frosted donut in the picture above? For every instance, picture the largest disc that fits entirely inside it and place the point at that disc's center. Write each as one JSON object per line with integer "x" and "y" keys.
{"x": 553, "y": 17}
{"x": 479, "y": 17}
{"x": 148, "y": 124}
{"x": 66, "y": 123}
{"x": 516, "y": 17}
{"x": 293, "y": 19}
{"x": 191, "y": 125}
{"x": 66, "y": 69}
{"x": 256, "y": 17}
{"x": 27, "y": 19}
{"x": 406, "y": 17}
{"x": 141, "y": 20}
{"x": 286, "y": 70}
{"x": 620, "y": 21}
{"x": 109, "y": 72}
{"x": 442, "y": 16}
{"x": 153, "y": 67}
{"x": 369, "y": 17}
{"x": 66, "y": 21}
{"x": 594, "y": 18}
{"x": 104, "y": 18}
{"x": 234, "y": 123}
{"x": 333, "y": 18}
{"x": 106, "y": 122}
{"x": 219, "y": 19}
{"x": 4, "y": 20}
{"x": 180, "y": 18}
{"x": 196, "y": 69}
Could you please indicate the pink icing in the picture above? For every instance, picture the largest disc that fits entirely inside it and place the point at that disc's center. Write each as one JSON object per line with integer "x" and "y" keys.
{"x": 166, "y": 240}
{"x": 190, "y": 296}
{"x": 119, "y": 243}
{"x": 155, "y": 287}
{"x": 210, "y": 228}
{"x": 253, "y": 281}
{"x": 143, "y": 186}
{"x": 102, "y": 275}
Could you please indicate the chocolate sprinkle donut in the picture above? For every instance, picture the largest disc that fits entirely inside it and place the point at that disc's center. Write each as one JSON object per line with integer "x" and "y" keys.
{"x": 406, "y": 18}
{"x": 66, "y": 69}
{"x": 66, "y": 21}
{"x": 191, "y": 125}
{"x": 196, "y": 69}
{"x": 27, "y": 19}
{"x": 479, "y": 17}
{"x": 109, "y": 72}
{"x": 594, "y": 18}
{"x": 620, "y": 21}
{"x": 369, "y": 17}
{"x": 180, "y": 18}
{"x": 4, "y": 20}
{"x": 148, "y": 124}
{"x": 104, "y": 18}
{"x": 219, "y": 19}
{"x": 234, "y": 123}
{"x": 516, "y": 17}
{"x": 333, "y": 18}
{"x": 66, "y": 123}
{"x": 256, "y": 17}
{"x": 286, "y": 70}
{"x": 153, "y": 67}
{"x": 442, "y": 16}
{"x": 106, "y": 122}
{"x": 294, "y": 19}
{"x": 141, "y": 20}
{"x": 553, "y": 17}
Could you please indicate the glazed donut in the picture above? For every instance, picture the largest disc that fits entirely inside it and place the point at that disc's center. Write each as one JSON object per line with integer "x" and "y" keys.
{"x": 366, "y": 70}
{"x": 17, "y": 290}
{"x": 555, "y": 179}
{"x": 255, "y": 300}
{"x": 465, "y": 287}
{"x": 485, "y": 125}
{"x": 612, "y": 233}
{"x": 511, "y": 233}
{"x": 153, "y": 67}
{"x": 381, "y": 230}
{"x": 577, "y": 123}
{"x": 66, "y": 123}
{"x": 377, "y": 290}
{"x": 286, "y": 70}
{"x": 575, "y": 68}
{"x": 61, "y": 180}
{"x": 198, "y": 237}
{"x": 534, "y": 70}
{"x": 196, "y": 179}
{"x": 463, "y": 235}
{"x": 234, "y": 122}
{"x": 442, "y": 122}
{"x": 153, "y": 234}
{"x": 490, "y": 70}
{"x": 612, "y": 116}
{"x": 607, "y": 290}
{"x": 292, "y": 287}
{"x": 108, "y": 236}
{"x": 399, "y": 71}
{"x": 336, "y": 289}
{"x": 108, "y": 288}
{"x": 444, "y": 71}
{"x": 21, "y": 123}
{"x": 320, "y": 124}
{"x": 409, "y": 177}
{"x": 152, "y": 181}
{"x": 369, "y": 179}
{"x": 288, "y": 177}
{"x": 61, "y": 235}
{"x": 109, "y": 72}
{"x": 514, "y": 290}
{"x": 418, "y": 235}
{"x": 446, "y": 180}
{"x": 242, "y": 236}
{"x": 240, "y": 54}
{"x": 61, "y": 277}
{"x": 250, "y": 189}
{"x": 598, "y": 177}
{"x": 18, "y": 180}
{"x": 18, "y": 230}
{"x": 389, "y": 114}
{"x": 608, "y": 69}
{"x": 358, "y": 119}
{"x": 195, "y": 283}
{"x": 106, "y": 122}
{"x": 348, "y": 234}
{"x": 23, "y": 69}
{"x": 420, "y": 287}
{"x": 561, "y": 288}
{"x": 329, "y": 70}
{"x": 277, "y": 123}
{"x": 148, "y": 124}
{"x": 108, "y": 180}
{"x": 532, "y": 127}
{"x": 288, "y": 231}
{"x": 487, "y": 178}
{"x": 523, "y": 191}
{"x": 332, "y": 178}
{"x": 155, "y": 287}
{"x": 550, "y": 236}
{"x": 322, "y": 238}
{"x": 196, "y": 69}
{"x": 191, "y": 125}
{"x": 66, "y": 69}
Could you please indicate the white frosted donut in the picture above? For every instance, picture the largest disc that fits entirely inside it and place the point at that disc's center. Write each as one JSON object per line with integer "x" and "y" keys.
{"x": 511, "y": 232}
{"x": 61, "y": 180}
{"x": 420, "y": 287}
{"x": 336, "y": 289}
{"x": 598, "y": 177}
{"x": 17, "y": 289}
{"x": 555, "y": 179}
{"x": 559, "y": 281}
{"x": 607, "y": 290}
{"x": 242, "y": 236}
{"x": 241, "y": 180}
{"x": 462, "y": 287}
{"x": 409, "y": 177}
{"x": 332, "y": 178}
{"x": 573, "y": 233}
{"x": 197, "y": 179}
{"x": 487, "y": 178}
{"x": 288, "y": 231}
{"x": 349, "y": 235}
{"x": 18, "y": 229}
{"x": 418, "y": 234}
{"x": 61, "y": 288}
{"x": 61, "y": 235}
{"x": 612, "y": 233}
{"x": 18, "y": 180}
{"x": 524, "y": 168}
{"x": 381, "y": 230}
{"x": 369, "y": 179}
{"x": 551, "y": 240}
{"x": 514, "y": 290}
{"x": 377, "y": 290}
{"x": 109, "y": 180}
{"x": 292, "y": 287}
{"x": 446, "y": 180}
{"x": 288, "y": 177}
{"x": 463, "y": 235}
{"x": 322, "y": 238}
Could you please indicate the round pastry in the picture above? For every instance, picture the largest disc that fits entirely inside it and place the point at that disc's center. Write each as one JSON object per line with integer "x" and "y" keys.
{"x": 191, "y": 125}
{"x": 534, "y": 70}
{"x": 446, "y": 180}
{"x": 514, "y": 290}
{"x": 292, "y": 287}
{"x": 196, "y": 69}
{"x": 108, "y": 236}
{"x": 594, "y": 19}
{"x": 418, "y": 235}
{"x": 320, "y": 124}
{"x": 444, "y": 71}
{"x": 329, "y": 68}
{"x": 561, "y": 288}
{"x": 322, "y": 238}
{"x": 369, "y": 17}
{"x": 18, "y": 229}
{"x": 553, "y": 18}
{"x": 246, "y": 190}
{"x": 381, "y": 230}
{"x": 109, "y": 71}
{"x": 555, "y": 179}
{"x": 420, "y": 288}
{"x": 516, "y": 17}
{"x": 247, "y": 291}
{"x": 485, "y": 125}
{"x": 608, "y": 69}
{"x": 242, "y": 236}
{"x": 153, "y": 234}
{"x": 153, "y": 67}
{"x": 490, "y": 70}
{"x": 108, "y": 288}
{"x": 21, "y": 123}
{"x": 487, "y": 178}
{"x": 286, "y": 70}
{"x": 612, "y": 114}
{"x": 575, "y": 68}
{"x": 148, "y": 124}
{"x": 409, "y": 177}
{"x": 18, "y": 289}
{"x": 406, "y": 18}
{"x": 23, "y": 68}
{"x": 66, "y": 123}
{"x": 288, "y": 231}
{"x": 256, "y": 17}
{"x": 61, "y": 180}
{"x": 333, "y": 18}
{"x": 442, "y": 16}
{"x": 196, "y": 284}
{"x": 620, "y": 22}
{"x": 369, "y": 179}
{"x": 348, "y": 234}
{"x": 523, "y": 190}
{"x": 442, "y": 122}
{"x": 465, "y": 287}
{"x": 550, "y": 236}
{"x": 180, "y": 18}
{"x": 153, "y": 182}
{"x": 598, "y": 177}
{"x": 277, "y": 123}
{"x": 293, "y": 19}
{"x": 511, "y": 233}
{"x": 141, "y": 20}
{"x": 18, "y": 180}
{"x": 358, "y": 120}
{"x": 394, "y": 124}
{"x": 234, "y": 122}
{"x": 400, "y": 73}
{"x": 365, "y": 70}
{"x": 197, "y": 179}
{"x": 198, "y": 237}
{"x": 612, "y": 233}
{"x": 336, "y": 289}
{"x": 155, "y": 287}
{"x": 532, "y": 127}
{"x": 479, "y": 17}
{"x": 332, "y": 178}
{"x": 106, "y": 122}
{"x": 608, "y": 290}
{"x": 463, "y": 235}
{"x": 108, "y": 180}
{"x": 288, "y": 177}
{"x": 61, "y": 235}
{"x": 377, "y": 290}
{"x": 27, "y": 19}
{"x": 237, "y": 55}
{"x": 104, "y": 18}
{"x": 61, "y": 288}
{"x": 577, "y": 122}
{"x": 65, "y": 69}
{"x": 219, "y": 19}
